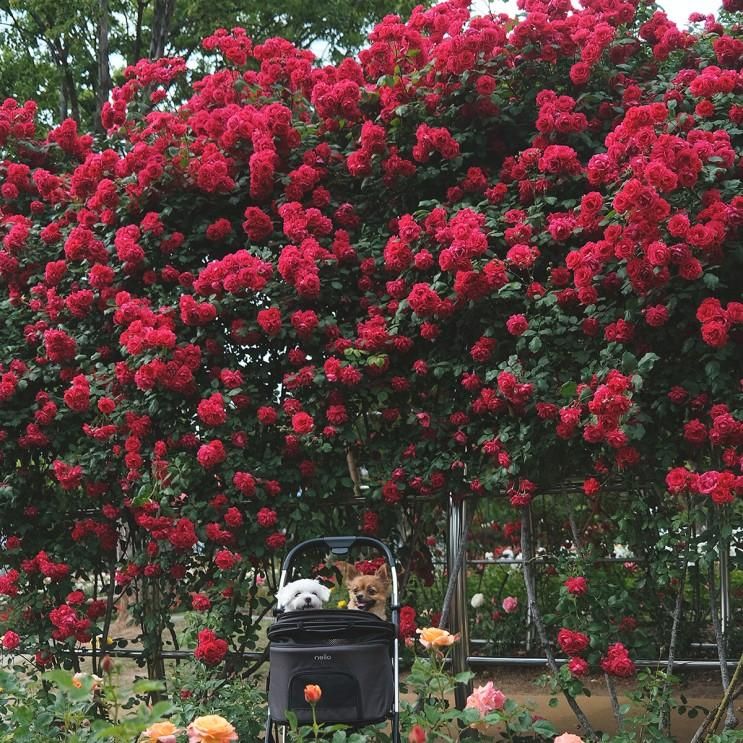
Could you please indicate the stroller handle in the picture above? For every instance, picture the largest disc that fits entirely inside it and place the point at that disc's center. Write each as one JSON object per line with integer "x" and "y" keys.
{"x": 338, "y": 546}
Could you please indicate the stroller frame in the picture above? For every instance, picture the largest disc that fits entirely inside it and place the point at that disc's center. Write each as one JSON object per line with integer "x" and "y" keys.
{"x": 340, "y": 546}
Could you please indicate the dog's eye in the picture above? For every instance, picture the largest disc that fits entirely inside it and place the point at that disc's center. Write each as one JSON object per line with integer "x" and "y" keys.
{"x": 372, "y": 590}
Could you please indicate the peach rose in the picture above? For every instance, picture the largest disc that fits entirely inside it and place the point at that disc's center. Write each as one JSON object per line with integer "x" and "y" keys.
{"x": 159, "y": 732}
{"x": 210, "y": 729}
{"x": 433, "y": 637}
{"x": 568, "y": 738}
{"x": 312, "y": 693}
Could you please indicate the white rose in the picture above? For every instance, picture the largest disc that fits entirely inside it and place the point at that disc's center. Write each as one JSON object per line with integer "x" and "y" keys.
{"x": 477, "y": 600}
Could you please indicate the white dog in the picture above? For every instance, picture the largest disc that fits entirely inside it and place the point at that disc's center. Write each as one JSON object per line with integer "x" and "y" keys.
{"x": 301, "y": 594}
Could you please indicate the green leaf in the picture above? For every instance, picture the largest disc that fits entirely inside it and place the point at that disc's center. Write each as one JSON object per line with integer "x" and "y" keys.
{"x": 544, "y": 728}
{"x": 647, "y": 362}
{"x": 535, "y": 344}
{"x": 145, "y": 686}
{"x": 568, "y": 390}
{"x": 629, "y": 362}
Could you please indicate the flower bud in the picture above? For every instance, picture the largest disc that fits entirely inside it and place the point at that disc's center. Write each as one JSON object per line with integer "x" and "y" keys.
{"x": 312, "y": 693}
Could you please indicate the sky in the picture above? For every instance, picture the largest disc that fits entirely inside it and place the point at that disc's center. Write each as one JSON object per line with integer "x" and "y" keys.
{"x": 677, "y": 10}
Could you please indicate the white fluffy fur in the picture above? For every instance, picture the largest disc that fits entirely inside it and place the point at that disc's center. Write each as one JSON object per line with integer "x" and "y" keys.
{"x": 304, "y": 593}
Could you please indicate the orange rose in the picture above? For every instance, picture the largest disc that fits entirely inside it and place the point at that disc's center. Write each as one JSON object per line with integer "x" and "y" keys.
{"x": 312, "y": 693}
{"x": 433, "y": 637}
{"x": 159, "y": 732}
{"x": 211, "y": 729}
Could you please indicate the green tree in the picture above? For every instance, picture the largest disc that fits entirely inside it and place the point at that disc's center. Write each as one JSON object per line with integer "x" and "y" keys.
{"x": 64, "y": 53}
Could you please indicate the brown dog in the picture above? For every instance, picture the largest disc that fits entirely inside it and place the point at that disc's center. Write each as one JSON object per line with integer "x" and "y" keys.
{"x": 366, "y": 592}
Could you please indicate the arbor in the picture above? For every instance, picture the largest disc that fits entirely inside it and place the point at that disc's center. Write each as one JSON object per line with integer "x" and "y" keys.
{"x": 483, "y": 260}
{"x": 69, "y": 50}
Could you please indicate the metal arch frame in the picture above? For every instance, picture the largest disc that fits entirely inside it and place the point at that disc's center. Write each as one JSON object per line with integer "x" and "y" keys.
{"x": 461, "y": 659}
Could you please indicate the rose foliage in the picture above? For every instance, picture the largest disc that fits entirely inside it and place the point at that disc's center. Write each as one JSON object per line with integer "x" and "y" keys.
{"x": 488, "y": 256}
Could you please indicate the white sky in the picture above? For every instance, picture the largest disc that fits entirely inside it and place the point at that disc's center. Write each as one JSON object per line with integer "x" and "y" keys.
{"x": 677, "y": 10}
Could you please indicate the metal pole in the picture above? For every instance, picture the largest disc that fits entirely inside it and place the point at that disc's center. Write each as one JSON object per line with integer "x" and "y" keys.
{"x": 725, "y": 608}
{"x": 482, "y": 661}
{"x": 458, "y": 614}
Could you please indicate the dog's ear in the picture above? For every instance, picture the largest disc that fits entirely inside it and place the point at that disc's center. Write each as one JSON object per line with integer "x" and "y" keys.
{"x": 348, "y": 571}
{"x": 282, "y": 596}
{"x": 324, "y": 593}
{"x": 383, "y": 573}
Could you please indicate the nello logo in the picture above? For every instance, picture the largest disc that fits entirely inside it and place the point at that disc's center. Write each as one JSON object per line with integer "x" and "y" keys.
{"x": 323, "y": 657}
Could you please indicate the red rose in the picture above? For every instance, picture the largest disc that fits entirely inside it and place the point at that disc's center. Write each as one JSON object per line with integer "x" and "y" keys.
{"x": 270, "y": 321}
{"x": 267, "y": 415}
{"x": 10, "y": 640}
{"x": 59, "y": 346}
{"x": 233, "y": 518}
{"x": 617, "y": 662}
{"x": 211, "y": 411}
{"x": 576, "y": 586}
{"x": 695, "y": 432}
{"x": 302, "y": 423}
{"x": 200, "y": 602}
{"x": 578, "y": 666}
{"x": 580, "y": 73}
{"x": 266, "y": 518}
{"x": 677, "y": 479}
{"x": 517, "y": 325}
{"x": 275, "y": 541}
{"x": 572, "y": 642}
{"x": 656, "y": 316}
{"x": 210, "y": 649}
{"x": 715, "y": 333}
{"x": 211, "y": 454}
{"x": 245, "y": 483}
{"x": 225, "y": 560}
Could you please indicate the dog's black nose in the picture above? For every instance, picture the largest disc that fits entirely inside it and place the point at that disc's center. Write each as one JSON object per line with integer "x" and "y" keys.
{"x": 307, "y": 600}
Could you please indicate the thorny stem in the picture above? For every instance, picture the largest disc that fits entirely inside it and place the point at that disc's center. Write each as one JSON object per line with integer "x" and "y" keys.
{"x": 730, "y": 719}
{"x": 615, "y": 708}
{"x": 665, "y": 720}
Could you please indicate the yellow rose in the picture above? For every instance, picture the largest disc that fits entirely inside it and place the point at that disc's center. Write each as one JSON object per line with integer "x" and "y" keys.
{"x": 342, "y": 604}
{"x": 211, "y": 729}
{"x": 164, "y": 732}
{"x": 433, "y": 637}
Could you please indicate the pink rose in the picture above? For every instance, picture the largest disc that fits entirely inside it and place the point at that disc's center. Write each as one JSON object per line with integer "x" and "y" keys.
{"x": 510, "y": 604}
{"x": 568, "y": 738}
{"x": 485, "y": 699}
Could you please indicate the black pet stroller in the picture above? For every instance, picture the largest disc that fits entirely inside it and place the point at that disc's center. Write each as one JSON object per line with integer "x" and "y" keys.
{"x": 353, "y": 656}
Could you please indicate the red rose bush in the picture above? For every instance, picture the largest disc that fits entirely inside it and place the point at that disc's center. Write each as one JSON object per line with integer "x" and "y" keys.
{"x": 487, "y": 257}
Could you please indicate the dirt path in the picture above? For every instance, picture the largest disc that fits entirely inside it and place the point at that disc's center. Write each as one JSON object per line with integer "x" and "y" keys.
{"x": 700, "y": 688}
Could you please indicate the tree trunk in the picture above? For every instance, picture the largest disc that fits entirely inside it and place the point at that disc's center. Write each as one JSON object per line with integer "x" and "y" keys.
{"x": 136, "y": 54}
{"x": 162, "y": 16}
{"x": 104, "y": 70}
{"x": 69, "y": 82}
{"x": 63, "y": 110}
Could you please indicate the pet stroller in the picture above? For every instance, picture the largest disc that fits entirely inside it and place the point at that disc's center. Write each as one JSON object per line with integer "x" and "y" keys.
{"x": 353, "y": 656}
